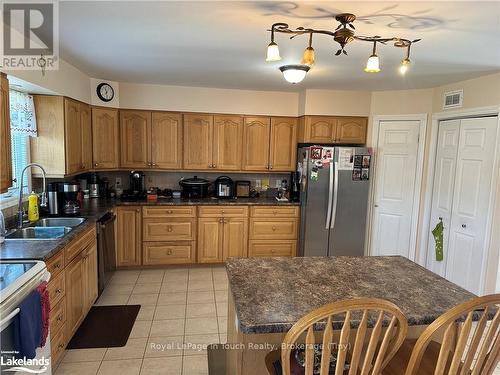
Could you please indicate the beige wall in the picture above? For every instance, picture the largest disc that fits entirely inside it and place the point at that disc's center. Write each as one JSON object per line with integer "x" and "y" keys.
{"x": 94, "y": 99}
{"x": 335, "y": 102}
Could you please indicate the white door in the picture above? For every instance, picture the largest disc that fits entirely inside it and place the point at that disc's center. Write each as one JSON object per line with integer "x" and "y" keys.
{"x": 396, "y": 169}
{"x": 471, "y": 198}
{"x": 442, "y": 196}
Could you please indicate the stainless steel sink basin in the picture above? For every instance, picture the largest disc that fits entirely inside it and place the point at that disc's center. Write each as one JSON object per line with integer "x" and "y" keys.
{"x": 38, "y": 233}
{"x": 60, "y": 222}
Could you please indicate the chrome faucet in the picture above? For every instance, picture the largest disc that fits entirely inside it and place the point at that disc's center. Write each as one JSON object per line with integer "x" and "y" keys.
{"x": 43, "y": 198}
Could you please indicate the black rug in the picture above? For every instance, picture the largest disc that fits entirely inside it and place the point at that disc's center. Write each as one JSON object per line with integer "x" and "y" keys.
{"x": 105, "y": 327}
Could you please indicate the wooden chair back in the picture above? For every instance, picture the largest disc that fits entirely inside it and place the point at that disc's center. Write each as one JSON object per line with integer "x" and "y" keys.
{"x": 466, "y": 347}
{"x": 372, "y": 348}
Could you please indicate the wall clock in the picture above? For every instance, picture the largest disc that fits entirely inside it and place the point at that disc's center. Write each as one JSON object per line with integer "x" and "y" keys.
{"x": 105, "y": 92}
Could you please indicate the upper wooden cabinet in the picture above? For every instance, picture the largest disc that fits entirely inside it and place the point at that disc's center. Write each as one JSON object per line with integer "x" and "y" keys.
{"x": 165, "y": 139}
{"x": 105, "y": 138}
{"x": 134, "y": 141}
{"x": 227, "y": 140}
{"x": 5, "y": 151}
{"x": 270, "y": 144}
{"x": 64, "y": 142}
{"x": 332, "y": 129}
{"x": 198, "y": 136}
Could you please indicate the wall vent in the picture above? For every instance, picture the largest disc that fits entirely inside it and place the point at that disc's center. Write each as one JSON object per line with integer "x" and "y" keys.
{"x": 453, "y": 99}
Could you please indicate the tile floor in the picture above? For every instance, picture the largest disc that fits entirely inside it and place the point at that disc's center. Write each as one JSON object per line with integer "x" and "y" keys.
{"x": 182, "y": 310}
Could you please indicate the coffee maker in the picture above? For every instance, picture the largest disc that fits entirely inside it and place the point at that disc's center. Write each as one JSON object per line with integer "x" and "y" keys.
{"x": 136, "y": 180}
{"x": 69, "y": 204}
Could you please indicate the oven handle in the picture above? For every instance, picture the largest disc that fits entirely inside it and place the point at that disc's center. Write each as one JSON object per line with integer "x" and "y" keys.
{"x": 5, "y": 321}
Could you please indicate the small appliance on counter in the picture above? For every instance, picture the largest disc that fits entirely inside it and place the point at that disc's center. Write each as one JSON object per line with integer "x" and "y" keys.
{"x": 242, "y": 189}
{"x": 224, "y": 187}
{"x": 136, "y": 181}
{"x": 194, "y": 187}
{"x": 70, "y": 205}
{"x": 53, "y": 194}
{"x": 295, "y": 187}
{"x": 94, "y": 186}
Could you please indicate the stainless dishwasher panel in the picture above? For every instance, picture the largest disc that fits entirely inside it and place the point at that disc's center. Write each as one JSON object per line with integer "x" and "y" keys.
{"x": 106, "y": 249}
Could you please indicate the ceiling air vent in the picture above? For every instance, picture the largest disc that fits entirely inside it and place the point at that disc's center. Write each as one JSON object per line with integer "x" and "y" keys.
{"x": 453, "y": 99}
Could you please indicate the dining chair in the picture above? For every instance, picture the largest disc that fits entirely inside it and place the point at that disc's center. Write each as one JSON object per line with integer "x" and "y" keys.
{"x": 464, "y": 340}
{"x": 373, "y": 328}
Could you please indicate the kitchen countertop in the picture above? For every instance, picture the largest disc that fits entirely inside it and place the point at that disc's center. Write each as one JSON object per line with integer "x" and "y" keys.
{"x": 210, "y": 201}
{"x": 271, "y": 294}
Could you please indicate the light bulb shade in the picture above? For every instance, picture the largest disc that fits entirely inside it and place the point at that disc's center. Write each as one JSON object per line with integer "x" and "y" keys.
{"x": 294, "y": 73}
{"x": 273, "y": 52}
{"x": 308, "y": 58}
{"x": 405, "y": 65}
{"x": 373, "y": 64}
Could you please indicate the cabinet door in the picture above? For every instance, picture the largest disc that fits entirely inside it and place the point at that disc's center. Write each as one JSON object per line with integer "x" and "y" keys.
{"x": 89, "y": 264}
{"x": 86, "y": 141}
{"x": 128, "y": 236}
{"x": 105, "y": 138}
{"x": 283, "y": 153}
{"x": 73, "y": 135}
{"x": 351, "y": 130}
{"x": 256, "y": 133}
{"x": 198, "y": 134}
{"x": 235, "y": 240}
{"x": 134, "y": 133}
{"x": 320, "y": 129}
{"x": 75, "y": 290}
{"x": 210, "y": 232}
{"x": 166, "y": 140}
{"x": 228, "y": 136}
{"x": 5, "y": 152}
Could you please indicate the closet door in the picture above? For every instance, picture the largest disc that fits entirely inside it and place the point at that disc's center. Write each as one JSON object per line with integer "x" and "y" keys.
{"x": 471, "y": 203}
{"x": 442, "y": 195}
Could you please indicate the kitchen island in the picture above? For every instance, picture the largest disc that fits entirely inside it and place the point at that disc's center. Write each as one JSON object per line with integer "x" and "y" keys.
{"x": 268, "y": 295}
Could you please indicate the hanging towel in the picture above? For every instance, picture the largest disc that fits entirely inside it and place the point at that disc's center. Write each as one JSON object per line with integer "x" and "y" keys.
{"x": 437, "y": 232}
{"x": 44, "y": 300}
{"x": 28, "y": 326}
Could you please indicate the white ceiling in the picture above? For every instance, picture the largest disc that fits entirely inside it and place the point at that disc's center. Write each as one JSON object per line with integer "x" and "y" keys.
{"x": 222, "y": 44}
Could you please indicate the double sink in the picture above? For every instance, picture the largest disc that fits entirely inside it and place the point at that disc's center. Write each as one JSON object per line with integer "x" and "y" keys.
{"x": 46, "y": 229}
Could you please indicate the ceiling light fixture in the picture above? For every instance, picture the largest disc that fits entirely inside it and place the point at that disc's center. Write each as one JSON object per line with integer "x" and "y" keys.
{"x": 405, "y": 64}
{"x": 343, "y": 35}
{"x": 294, "y": 73}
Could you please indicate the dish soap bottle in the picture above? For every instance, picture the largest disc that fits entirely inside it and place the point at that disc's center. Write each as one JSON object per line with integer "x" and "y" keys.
{"x": 33, "y": 207}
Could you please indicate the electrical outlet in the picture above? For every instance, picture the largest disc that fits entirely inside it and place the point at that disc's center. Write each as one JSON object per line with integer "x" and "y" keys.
{"x": 118, "y": 182}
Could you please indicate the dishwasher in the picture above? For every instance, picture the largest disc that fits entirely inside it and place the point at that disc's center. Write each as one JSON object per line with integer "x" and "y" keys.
{"x": 105, "y": 249}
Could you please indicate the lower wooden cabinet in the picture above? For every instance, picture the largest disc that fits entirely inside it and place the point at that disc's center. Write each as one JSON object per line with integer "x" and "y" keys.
{"x": 263, "y": 248}
{"x": 128, "y": 227}
{"x": 160, "y": 253}
{"x": 75, "y": 300}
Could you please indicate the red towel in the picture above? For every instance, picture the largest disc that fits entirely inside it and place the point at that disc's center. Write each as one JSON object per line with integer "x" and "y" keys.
{"x": 45, "y": 305}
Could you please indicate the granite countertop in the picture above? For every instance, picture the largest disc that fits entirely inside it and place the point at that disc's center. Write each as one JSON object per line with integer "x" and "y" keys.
{"x": 210, "y": 201}
{"x": 271, "y": 294}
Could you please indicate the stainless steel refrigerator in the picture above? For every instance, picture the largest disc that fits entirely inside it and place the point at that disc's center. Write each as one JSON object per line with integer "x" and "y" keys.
{"x": 334, "y": 199}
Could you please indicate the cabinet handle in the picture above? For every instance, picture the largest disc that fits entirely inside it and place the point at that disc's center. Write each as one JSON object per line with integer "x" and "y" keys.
{"x": 154, "y": 164}
{"x": 59, "y": 318}
{"x": 270, "y": 167}
{"x": 169, "y": 252}
{"x": 137, "y": 210}
{"x": 274, "y": 228}
{"x": 273, "y": 251}
{"x": 58, "y": 265}
{"x": 58, "y": 291}
{"x": 221, "y": 220}
{"x": 210, "y": 166}
{"x": 95, "y": 165}
{"x": 170, "y": 212}
{"x": 60, "y": 346}
{"x": 169, "y": 228}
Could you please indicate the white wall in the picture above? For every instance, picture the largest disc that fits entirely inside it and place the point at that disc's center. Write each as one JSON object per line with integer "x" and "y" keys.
{"x": 335, "y": 102}
{"x": 94, "y": 99}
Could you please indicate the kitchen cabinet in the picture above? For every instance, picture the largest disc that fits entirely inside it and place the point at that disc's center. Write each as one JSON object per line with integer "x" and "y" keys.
{"x": 134, "y": 140}
{"x": 105, "y": 138}
{"x": 210, "y": 233}
{"x": 352, "y": 130}
{"x": 78, "y": 136}
{"x": 256, "y": 137}
{"x": 89, "y": 266}
{"x": 5, "y": 151}
{"x": 128, "y": 239}
{"x": 75, "y": 292}
{"x": 332, "y": 129}
{"x": 165, "y": 139}
{"x": 283, "y": 145}
{"x": 198, "y": 139}
{"x": 227, "y": 141}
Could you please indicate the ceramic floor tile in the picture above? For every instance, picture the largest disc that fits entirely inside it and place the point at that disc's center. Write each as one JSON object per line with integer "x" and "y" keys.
{"x": 164, "y": 312}
{"x": 124, "y": 278}
{"x": 150, "y": 277}
{"x": 171, "y": 327}
{"x": 200, "y": 297}
{"x": 112, "y": 300}
{"x": 141, "y": 328}
{"x": 221, "y": 296}
{"x": 197, "y": 344}
{"x": 222, "y": 324}
{"x": 118, "y": 289}
{"x": 143, "y": 299}
{"x": 195, "y": 365}
{"x": 164, "y": 346}
{"x": 134, "y": 349}
{"x": 172, "y": 299}
{"x": 78, "y": 368}
{"x": 201, "y": 326}
{"x": 147, "y": 288}
{"x": 200, "y": 310}
{"x": 175, "y": 276}
{"x": 222, "y": 309}
{"x": 162, "y": 366}
{"x": 221, "y": 285}
{"x": 146, "y": 313}
{"x": 121, "y": 367}
{"x": 174, "y": 286}
{"x": 200, "y": 285}
{"x": 84, "y": 355}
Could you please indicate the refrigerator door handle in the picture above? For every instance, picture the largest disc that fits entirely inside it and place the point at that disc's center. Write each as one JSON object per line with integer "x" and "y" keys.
{"x": 330, "y": 197}
{"x": 335, "y": 196}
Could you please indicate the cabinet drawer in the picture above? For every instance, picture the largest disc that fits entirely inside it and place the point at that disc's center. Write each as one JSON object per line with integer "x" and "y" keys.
{"x": 57, "y": 317}
{"x": 272, "y": 248}
{"x": 157, "y": 253}
{"x": 56, "y": 264}
{"x": 74, "y": 248}
{"x": 57, "y": 346}
{"x": 164, "y": 229}
{"x": 223, "y": 211}
{"x": 273, "y": 211}
{"x": 57, "y": 289}
{"x": 263, "y": 229}
{"x": 169, "y": 211}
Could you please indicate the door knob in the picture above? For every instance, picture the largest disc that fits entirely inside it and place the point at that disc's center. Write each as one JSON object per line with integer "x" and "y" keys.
{"x": 464, "y": 226}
